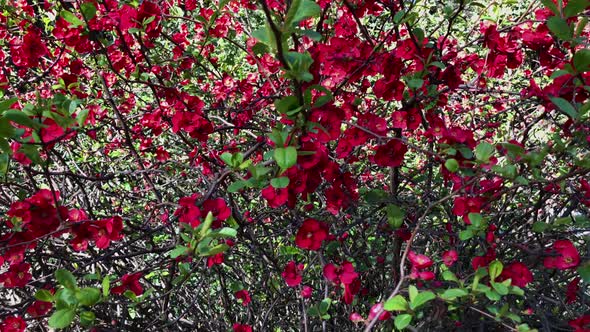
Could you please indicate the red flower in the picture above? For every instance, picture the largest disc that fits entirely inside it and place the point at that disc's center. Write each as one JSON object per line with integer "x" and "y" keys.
{"x": 390, "y": 154}
{"x": 581, "y": 324}
{"x": 17, "y": 276}
{"x": 107, "y": 230}
{"x": 243, "y": 296}
{"x": 306, "y": 292}
{"x": 215, "y": 260}
{"x": 571, "y": 294}
{"x": 518, "y": 272}
{"x": 13, "y": 324}
{"x": 188, "y": 212}
{"x": 563, "y": 255}
{"x": 242, "y": 327}
{"x": 275, "y": 196}
{"x": 419, "y": 261}
{"x": 377, "y": 309}
{"x": 311, "y": 234}
{"x": 344, "y": 274}
{"x": 292, "y": 274}
{"x": 218, "y": 208}
{"x": 39, "y": 308}
{"x": 129, "y": 282}
{"x": 449, "y": 257}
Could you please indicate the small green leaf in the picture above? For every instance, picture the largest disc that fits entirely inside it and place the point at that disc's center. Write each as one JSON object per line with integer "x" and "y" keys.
{"x": 584, "y": 271}
{"x": 62, "y": 318}
{"x": 237, "y": 186}
{"x": 565, "y": 106}
{"x": 397, "y": 303}
{"x": 226, "y": 232}
{"x": 88, "y": 10}
{"x": 453, "y": 293}
{"x": 395, "y": 216}
{"x": 178, "y": 251}
{"x": 65, "y": 278}
{"x": 106, "y": 286}
{"x": 285, "y": 157}
{"x": 421, "y": 299}
{"x": 551, "y": 6}
{"x": 71, "y": 18}
{"x": 413, "y": 291}
{"x": 581, "y": 60}
{"x": 21, "y": 118}
{"x": 402, "y": 321}
{"x": 465, "y": 234}
{"x": 495, "y": 269}
{"x": 415, "y": 83}
{"x": 87, "y": 318}
{"x": 88, "y": 296}
{"x": 574, "y": 7}
{"x": 452, "y": 165}
{"x": 44, "y": 295}
{"x": 448, "y": 275}
{"x": 227, "y": 158}
{"x": 484, "y": 151}
{"x": 560, "y": 28}
{"x": 279, "y": 183}
{"x": 325, "y": 305}
{"x": 5, "y": 104}
{"x": 206, "y": 225}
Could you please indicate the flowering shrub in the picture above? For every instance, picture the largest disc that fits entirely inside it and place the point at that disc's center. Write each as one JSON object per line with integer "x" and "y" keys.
{"x": 294, "y": 165}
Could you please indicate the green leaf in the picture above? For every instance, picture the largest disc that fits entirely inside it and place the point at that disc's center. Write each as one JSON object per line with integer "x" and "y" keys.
{"x": 178, "y": 251}
{"x": 281, "y": 182}
{"x": 44, "y": 295}
{"x": 325, "y": 305}
{"x": 448, "y": 275}
{"x": 495, "y": 269}
{"x": 492, "y": 295}
{"x": 312, "y": 34}
{"x": 88, "y": 10}
{"x": 5, "y": 104}
{"x": 574, "y": 7}
{"x": 87, "y": 318}
{"x": 285, "y": 157}
{"x": 4, "y": 159}
{"x": 237, "y": 186}
{"x": 452, "y": 165}
{"x": 397, "y": 303}
{"x": 415, "y": 83}
{"x": 106, "y": 286}
{"x": 484, "y": 151}
{"x": 581, "y": 60}
{"x": 413, "y": 291}
{"x": 402, "y": 321}
{"x": 565, "y": 106}
{"x": 551, "y": 6}
{"x": 299, "y": 64}
{"x": 227, "y": 158}
{"x": 301, "y": 10}
{"x": 584, "y": 271}
{"x": 465, "y": 234}
{"x": 21, "y": 118}
{"x": 226, "y": 232}
{"x": 421, "y": 299}
{"x": 216, "y": 250}
{"x": 206, "y": 224}
{"x": 65, "y": 278}
{"x": 560, "y": 28}
{"x": 540, "y": 226}
{"x": 395, "y": 215}
{"x": 71, "y": 18}
{"x": 476, "y": 219}
{"x": 453, "y": 293}
{"x": 88, "y": 296}
{"x": 62, "y": 318}
{"x": 500, "y": 288}
{"x": 287, "y": 105}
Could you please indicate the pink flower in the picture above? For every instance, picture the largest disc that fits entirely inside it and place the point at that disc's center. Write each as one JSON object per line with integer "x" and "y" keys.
{"x": 449, "y": 257}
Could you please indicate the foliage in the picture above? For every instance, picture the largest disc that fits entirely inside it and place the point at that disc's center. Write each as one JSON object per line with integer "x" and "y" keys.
{"x": 300, "y": 165}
